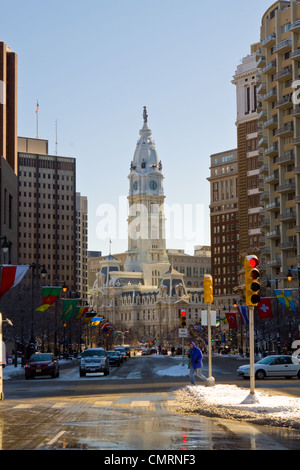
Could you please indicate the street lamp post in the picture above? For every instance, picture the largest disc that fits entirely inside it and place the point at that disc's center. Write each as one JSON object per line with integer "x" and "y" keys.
{"x": 34, "y": 268}
{"x": 1, "y": 355}
{"x": 64, "y": 288}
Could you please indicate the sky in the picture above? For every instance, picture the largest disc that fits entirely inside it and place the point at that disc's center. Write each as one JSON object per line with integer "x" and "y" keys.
{"x": 93, "y": 65}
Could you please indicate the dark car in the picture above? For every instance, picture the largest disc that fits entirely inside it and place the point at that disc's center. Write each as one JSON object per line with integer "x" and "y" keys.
{"x": 41, "y": 364}
{"x": 94, "y": 360}
{"x": 122, "y": 351}
{"x": 114, "y": 358}
{"x": 127, "y": 350}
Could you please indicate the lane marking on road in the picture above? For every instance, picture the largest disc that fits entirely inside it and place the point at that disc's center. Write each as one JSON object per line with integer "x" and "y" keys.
{"x": 139, "y": 403}
{"x": 60, "y": 405}
{"x": 23, "y": 405}
{"x": 99, "y": 404}
{"x": 55, "y": 438}
{"x": 258, "y": 440}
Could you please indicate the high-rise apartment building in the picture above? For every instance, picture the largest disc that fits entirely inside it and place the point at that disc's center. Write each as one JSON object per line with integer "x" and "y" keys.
{"x": 249, "y": 183}
{"x": 224, "y": 223}
{"x": 8, "y": 154}
{"x": 47, "y": 211}
{"x": 279, "y": 120}
{"x": 8, "y": 105}
{"x": 82, "y": 246}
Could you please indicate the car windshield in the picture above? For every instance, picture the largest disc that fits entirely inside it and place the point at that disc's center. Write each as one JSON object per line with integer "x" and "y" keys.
{"x": 41, "y": 357}
{"x": 266, "y": 360}
{"x": 94, "y": 353}
{"x": 112, "y": 353}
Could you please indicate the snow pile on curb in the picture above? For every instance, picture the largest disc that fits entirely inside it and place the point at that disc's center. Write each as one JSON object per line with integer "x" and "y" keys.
{"x": 230, "y": 402}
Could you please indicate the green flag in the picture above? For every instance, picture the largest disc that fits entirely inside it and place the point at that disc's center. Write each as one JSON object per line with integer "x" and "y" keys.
{"x": 49, "y": 296}
{"x": 69, "y": 308}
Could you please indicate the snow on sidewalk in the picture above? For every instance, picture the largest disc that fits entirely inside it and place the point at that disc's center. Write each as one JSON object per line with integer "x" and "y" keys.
{"x": 231, "y": 402}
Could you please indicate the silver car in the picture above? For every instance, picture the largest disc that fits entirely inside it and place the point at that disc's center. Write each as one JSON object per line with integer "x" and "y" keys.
{"x": 94, "y": 360}
{"x": 273, "y": 366}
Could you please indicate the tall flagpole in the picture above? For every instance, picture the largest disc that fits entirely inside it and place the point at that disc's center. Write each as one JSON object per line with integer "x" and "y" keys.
{"x": 37, "y": 119}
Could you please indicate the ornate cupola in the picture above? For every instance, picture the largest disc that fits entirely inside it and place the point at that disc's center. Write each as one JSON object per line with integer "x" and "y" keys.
{"x": 146, "y": 222}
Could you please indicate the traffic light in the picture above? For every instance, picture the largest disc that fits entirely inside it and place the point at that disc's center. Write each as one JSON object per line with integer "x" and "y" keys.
{"x": 182, "y": 319}
{"x": 208, "y": 289}
{"x": 252, "y": 275}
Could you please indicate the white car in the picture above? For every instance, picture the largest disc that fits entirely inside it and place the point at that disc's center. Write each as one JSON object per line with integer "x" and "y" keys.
{"x": 273, "y": 366}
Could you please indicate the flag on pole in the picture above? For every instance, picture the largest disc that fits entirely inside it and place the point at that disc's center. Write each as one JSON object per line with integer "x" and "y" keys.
{"x": 243, "y": 311}
{"x": 49, "y": 296}
{"x": 285, "y": 298}
{"x": 96, "y": 321}
{"x": 11, "y": 276}
{"x": 37, "y": 107}
{"x": 81, "y": 311}
{"x": 69, "y": 308}
{"x": 89, "y": 316}
{"x": 264, "y": 309}
{"x": 232, "y": 321}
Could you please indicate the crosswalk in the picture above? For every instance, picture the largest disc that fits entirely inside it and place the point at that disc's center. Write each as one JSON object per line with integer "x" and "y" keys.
{"x": 154, "y": 403}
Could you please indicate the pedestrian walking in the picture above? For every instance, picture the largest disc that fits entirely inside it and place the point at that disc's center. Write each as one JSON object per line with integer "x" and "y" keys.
{"x": 195, "y": 363}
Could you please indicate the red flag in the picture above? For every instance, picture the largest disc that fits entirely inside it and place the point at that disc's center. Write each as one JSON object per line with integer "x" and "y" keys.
{"x": 232, "y": 321}
{"x": 11, "y": 276}
{"x": 264, "y": 309}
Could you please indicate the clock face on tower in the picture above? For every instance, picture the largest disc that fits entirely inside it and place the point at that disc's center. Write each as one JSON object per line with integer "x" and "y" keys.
{"x": 153, "y": 185}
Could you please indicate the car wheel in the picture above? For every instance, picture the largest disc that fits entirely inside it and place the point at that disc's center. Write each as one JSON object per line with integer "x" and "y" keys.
{"x": 106, "y": 372}
{"x": 82, "y": 374}
{"x": 260, "y": 375}
{"x": 298, "y": 375}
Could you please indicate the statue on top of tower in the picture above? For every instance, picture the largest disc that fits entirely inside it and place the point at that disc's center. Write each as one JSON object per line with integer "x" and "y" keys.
{"x": 145, "y": 115}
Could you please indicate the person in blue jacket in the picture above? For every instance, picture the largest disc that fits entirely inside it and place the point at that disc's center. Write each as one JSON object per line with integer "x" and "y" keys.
{"x": 195, "y": 363}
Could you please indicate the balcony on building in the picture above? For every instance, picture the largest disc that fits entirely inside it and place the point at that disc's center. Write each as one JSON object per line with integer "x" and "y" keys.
{"x": 296, "y": 111}
{"x": 295, "y": 26}
{"x": 269, "y": 40}
{"x": 284, "y": 74}
{"x": 297, "y": 141}
{"x": 286, "y": 158}
{"x": 262, "y": 116}
{"x": 262, "y": 87}
{"x": 264, "y": 196}
{"x": 263, "y": 142}
{"x": 286, "y": 131}
{"x": 261, "y": 61}
{"x": 273, "y": 234}
{"x": 265, "y": 223}
{"x": 273, "y": 178}
{"x": 272, "y": 150}
{"x": 270, "y": 68}
{"x": 272, "y": 206}
{"x": 264, "y": 169}
{"x": 287, "y": 216}
{"x": 271, "y": 95}
{"x": 284, "y": 103}
{"x": 288, "y": 187}
{"x": 295, "y": 54}
{"x": 271, "y": 123}
{"x": 288, "y": 245}
{"x": 274, "y": 262}
{"x": 283, "y": 46}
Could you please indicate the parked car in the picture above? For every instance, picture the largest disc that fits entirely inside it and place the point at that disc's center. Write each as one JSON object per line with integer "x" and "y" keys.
{"x": 94, "y": 360}
{"x": 114, "y": 358}
{"x": 272, "y": 366}
{"x": 122, "y": 351}
{"x": 41, "y": 364}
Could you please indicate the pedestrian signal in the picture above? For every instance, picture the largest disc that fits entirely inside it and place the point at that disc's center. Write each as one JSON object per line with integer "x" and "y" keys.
{"x": 183, "y": 319}
{"x": 208, "y": 289}
{"x": 252, "y": 276}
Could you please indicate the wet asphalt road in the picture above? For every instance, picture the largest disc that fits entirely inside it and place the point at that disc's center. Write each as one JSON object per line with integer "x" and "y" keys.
{"x": 131, "y": 409}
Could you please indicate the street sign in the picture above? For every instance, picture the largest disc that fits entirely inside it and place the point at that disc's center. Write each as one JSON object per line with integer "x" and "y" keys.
{"x": 182, "y": 332}
{"x": 213, "y": 318}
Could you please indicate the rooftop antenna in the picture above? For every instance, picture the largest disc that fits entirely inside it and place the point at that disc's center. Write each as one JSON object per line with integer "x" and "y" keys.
{"x": 56, "y": 143}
